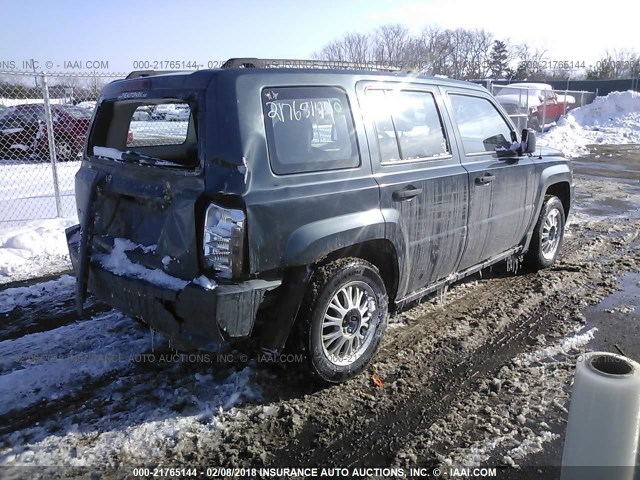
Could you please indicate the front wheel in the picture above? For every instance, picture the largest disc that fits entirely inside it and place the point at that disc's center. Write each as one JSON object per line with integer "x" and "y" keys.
{"x": 547, "y": 235}
{"x": 346, "y": 316}
{"x": 65, "y": 151}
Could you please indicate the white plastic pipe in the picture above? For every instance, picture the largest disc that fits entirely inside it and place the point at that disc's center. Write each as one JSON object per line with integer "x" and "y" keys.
{"x": 604, "y": 419}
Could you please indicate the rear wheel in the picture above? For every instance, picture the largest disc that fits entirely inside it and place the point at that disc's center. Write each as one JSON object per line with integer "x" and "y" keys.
{"x": 345, "y": 318}
{"x": 547, "y": 235}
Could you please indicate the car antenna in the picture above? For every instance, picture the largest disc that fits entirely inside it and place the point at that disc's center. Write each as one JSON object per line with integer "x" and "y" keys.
{"x": 540, "y": 152}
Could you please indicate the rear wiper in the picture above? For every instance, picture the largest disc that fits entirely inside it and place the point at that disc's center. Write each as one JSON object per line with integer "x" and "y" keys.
{"x": 135, "y": 157}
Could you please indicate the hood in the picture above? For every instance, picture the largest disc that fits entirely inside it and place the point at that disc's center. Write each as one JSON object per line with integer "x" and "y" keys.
{"x": 513, "y": 99}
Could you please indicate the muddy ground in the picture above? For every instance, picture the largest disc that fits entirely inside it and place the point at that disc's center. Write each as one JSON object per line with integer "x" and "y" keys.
{"x": 477, "y": 376}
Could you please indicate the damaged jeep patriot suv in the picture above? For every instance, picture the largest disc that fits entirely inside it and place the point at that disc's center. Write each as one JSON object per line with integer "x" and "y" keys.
{"x": 300, "y": 205}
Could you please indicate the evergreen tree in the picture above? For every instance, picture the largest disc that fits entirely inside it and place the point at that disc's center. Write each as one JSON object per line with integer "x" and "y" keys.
{"x": 498, "y": 59}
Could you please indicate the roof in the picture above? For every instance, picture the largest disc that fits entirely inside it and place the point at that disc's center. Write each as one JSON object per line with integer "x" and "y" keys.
{"x": 260, "y": 66}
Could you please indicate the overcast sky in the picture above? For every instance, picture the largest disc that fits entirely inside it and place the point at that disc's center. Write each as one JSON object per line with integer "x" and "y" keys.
{"x": 121, "y": 32}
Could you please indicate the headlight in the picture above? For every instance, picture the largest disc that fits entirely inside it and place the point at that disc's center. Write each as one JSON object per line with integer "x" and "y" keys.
{"x": 223, "y": 241}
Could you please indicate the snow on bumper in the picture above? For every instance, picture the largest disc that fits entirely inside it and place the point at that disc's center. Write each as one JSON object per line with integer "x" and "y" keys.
{"x": 195, "y": 314}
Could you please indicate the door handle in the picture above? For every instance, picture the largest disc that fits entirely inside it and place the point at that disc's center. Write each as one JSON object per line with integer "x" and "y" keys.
{"x": 485, "y": 179}
{"x": 406, "y": 193}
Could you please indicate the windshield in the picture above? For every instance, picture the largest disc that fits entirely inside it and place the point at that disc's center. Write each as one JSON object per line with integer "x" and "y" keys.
{"x": 518, "y": 91}
{"x": 77, "y": 112}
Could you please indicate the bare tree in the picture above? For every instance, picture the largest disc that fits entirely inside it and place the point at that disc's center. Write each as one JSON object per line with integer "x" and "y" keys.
{"x": 622, "y": 63}
{"x": 530, "y": 64}
{"x": 353, "y": 47}
{"x": 391, "y": 44}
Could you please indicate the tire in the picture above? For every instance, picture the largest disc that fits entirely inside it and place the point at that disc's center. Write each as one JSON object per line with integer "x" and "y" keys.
{"x": 65, "y": 151}
{"x": 547, "y": 235}
{"x": 534, "y": 124}
{"x": 353, "y": 332}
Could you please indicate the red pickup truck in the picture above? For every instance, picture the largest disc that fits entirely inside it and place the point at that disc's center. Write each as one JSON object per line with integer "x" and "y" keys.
{"x": 537, "y": 101}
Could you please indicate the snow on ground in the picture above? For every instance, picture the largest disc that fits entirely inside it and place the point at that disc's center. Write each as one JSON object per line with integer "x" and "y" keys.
{"x": 33, "y": 368}
{"x": 614, "y": 119}
{"x": 132, "y": 431}
{"x": 34, "y": 249}
{"x": 27, "y": 191}
{"x": 133, "y": 412}
{"x": 18, "y": 297}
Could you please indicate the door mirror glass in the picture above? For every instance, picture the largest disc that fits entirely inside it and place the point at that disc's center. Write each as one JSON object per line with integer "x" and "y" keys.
{"x": 528, "y": 140}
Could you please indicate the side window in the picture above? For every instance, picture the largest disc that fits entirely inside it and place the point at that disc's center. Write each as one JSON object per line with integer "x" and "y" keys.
{"x": 481, "y": 126}
{"x": 408, "y": 125}
{"x": 309, "y": 129}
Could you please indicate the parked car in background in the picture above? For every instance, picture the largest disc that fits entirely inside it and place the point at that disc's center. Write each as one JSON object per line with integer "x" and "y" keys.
{"x": 23, "y": 132}
{"x": 536, "y": 100}
{"x": 89, "y": 105}
{"x": 160, "y": 111}
{"x": 180, "y": 113}
{"x": 142, "y": 114}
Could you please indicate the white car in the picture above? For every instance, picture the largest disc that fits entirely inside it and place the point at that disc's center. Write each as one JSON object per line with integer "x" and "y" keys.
{"x": 180, "y": 113}
{"x": 87, "y": 105}
{"x": 160, "y": 111}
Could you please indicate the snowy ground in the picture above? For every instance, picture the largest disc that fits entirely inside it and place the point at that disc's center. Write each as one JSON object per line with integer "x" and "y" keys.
{"x": 614, "y": 119}
{"x": 35, "y": 249}
{"x": 480, "y": 376}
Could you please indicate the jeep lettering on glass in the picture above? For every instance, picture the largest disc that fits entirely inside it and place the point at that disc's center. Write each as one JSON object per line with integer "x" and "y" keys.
{"x": 309, "y": 129}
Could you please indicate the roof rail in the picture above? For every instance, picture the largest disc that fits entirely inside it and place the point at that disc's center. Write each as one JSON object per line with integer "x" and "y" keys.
{"x": 298, "y": 63}
{"x": 149, "y": 73}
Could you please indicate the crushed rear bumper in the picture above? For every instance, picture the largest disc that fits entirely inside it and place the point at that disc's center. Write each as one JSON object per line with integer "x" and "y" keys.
{"x": 193, "y": 315}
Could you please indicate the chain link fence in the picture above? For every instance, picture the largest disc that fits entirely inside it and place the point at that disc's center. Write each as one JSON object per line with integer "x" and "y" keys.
{"x": 44, "y": 120}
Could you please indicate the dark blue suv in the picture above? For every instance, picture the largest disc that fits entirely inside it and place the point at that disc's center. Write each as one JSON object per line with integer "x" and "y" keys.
{"x": 301, "y": 205}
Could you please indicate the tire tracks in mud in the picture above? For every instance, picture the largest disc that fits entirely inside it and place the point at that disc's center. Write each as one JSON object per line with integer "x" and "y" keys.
{"x": 423, "y": 389}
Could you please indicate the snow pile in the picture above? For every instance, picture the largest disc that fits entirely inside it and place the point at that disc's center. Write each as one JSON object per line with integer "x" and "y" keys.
{"x": 614, "y": 119}
{"x": 35, "y": 249}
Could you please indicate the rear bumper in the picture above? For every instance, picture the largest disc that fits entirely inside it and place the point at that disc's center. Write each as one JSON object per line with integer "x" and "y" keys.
{"x": 193, "y": 315}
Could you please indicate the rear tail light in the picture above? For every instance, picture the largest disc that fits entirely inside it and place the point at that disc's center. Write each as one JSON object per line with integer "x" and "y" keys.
{"x": 223, "y": 241}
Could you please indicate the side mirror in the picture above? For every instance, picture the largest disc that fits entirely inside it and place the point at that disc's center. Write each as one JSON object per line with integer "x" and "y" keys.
{"x": 528, "y": 140}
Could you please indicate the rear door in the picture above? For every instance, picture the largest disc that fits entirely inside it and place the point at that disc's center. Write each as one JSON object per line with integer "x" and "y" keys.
{"x": 501, "y": 189}
{"x": 423, "y": 186}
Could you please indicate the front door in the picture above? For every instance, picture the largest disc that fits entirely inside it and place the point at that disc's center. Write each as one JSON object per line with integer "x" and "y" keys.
{"x": 502, "y": 190}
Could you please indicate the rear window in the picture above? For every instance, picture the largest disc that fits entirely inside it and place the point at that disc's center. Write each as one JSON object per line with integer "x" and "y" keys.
{"x": 164, "y": 129}
{"x": 309, "y": 129}
{"x": 164, "y": 124}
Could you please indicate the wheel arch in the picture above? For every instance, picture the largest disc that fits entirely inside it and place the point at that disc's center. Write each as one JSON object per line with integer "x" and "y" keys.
{"x": 380, "y": 253}
{"x": 562, "y": 190}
